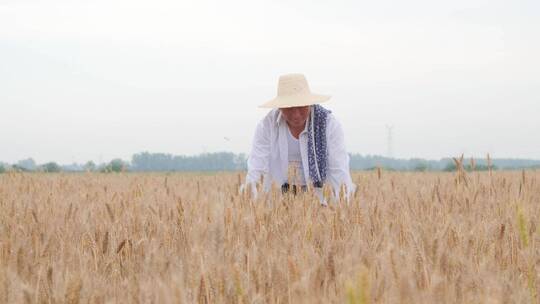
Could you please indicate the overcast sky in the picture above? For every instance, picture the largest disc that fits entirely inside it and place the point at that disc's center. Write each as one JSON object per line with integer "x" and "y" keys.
{"x": 96, "y": 80}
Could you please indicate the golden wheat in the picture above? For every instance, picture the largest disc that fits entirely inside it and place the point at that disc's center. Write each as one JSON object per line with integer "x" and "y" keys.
{"x": 193, "y": 238}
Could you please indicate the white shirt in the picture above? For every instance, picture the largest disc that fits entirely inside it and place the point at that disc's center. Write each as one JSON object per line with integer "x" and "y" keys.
{"x": 269, "y": 155}
{"x": 296, "y": 169}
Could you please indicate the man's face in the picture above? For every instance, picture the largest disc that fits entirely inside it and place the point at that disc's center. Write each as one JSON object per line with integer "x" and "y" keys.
{"x": 296, "y": 116}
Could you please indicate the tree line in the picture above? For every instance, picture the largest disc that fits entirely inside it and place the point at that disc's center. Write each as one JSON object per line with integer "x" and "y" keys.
{"x": 228, "y": 161}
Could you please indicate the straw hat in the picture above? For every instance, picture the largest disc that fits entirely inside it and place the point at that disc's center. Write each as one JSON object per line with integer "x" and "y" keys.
{"x": 293, "y": 91}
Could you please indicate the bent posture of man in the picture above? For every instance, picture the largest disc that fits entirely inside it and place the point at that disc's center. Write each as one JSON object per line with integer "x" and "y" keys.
{"x": 300, "y": 133}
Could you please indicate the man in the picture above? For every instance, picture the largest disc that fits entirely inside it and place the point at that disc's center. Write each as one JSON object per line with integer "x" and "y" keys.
{"x": 299, "y": 133}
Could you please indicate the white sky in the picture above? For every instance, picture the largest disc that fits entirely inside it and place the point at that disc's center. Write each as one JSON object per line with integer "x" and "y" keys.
{"x": 94, "y": 81}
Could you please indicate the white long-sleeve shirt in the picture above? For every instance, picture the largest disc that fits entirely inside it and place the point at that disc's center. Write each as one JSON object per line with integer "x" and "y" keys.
{"x": 269, "y": 155}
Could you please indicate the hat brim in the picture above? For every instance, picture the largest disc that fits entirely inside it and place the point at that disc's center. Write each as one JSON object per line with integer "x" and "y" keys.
{"x": 295, "y": 101}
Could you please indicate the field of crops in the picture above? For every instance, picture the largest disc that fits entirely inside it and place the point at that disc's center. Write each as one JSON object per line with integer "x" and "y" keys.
{"x": 192, "y": 238}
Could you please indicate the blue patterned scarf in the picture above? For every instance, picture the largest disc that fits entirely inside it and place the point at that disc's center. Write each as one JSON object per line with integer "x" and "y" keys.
{"x": 317, "y": 153}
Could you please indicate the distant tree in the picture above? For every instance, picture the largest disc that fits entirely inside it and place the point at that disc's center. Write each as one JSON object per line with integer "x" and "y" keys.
{"x": 2, "y": 169}
{"x": 450, "y": 167}
{"x": 27, "y": 164}
{"x": 219, "y": 161}
{"x": 90, "y": 166}
{"x": 480, "y": 168}
{"x": 17, "y": 168}
{"x": 51, "y": 167}
{"x": 73, "y": 167}
{"x": 240, "y": 161}
{"x": 421, "y": 167}
{"x": 116, "y": 165}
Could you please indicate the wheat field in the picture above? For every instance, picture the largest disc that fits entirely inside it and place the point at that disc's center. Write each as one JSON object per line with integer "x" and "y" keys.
{"x": 192, "y": 238}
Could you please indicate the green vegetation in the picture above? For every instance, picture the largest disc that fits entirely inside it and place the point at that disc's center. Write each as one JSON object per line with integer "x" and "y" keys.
{"x": 51, "y": 167}
{"x": 116, "y": 165}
